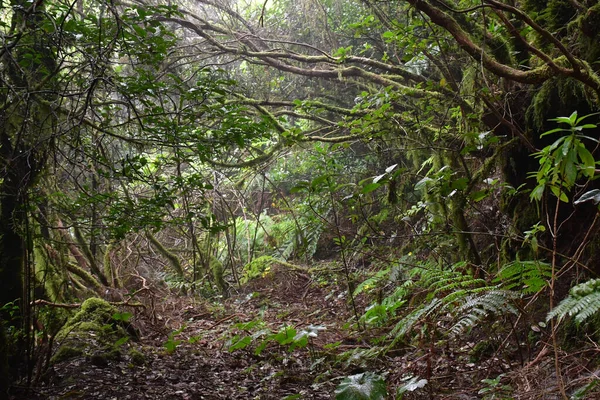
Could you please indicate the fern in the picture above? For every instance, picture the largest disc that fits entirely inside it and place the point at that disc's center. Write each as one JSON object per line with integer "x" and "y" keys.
{"x": 582, "y": 302}
{"x": 372, "y": 281}
{"x": 479, "y": 306}
{"x": 455, "y": 294}
{"x": 528, "y": 277}
{"x": 407, "y": 323}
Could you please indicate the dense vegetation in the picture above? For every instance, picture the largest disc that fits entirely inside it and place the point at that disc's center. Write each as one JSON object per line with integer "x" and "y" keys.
{"x": 435, "y": 159}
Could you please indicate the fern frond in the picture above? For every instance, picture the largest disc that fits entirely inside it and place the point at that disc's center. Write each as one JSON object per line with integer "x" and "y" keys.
{"x": 408, "y": 322}
{"x": 372, "y": 281}
{"x": 528, "y": 277}
{"x": 582, "y": 302}
{"x": 478, "y": 306}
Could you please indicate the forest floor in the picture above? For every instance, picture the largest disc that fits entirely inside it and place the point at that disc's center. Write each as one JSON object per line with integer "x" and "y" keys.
{"x": 183, "y": 353}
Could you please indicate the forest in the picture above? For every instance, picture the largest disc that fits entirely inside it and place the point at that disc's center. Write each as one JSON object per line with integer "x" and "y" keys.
{"x": 299, "y": 199}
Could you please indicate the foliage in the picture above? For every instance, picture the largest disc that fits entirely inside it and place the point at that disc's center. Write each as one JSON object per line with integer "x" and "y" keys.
{"x": 565, "y": 160}
{"x": 364, "y": 386}
{"x": 410, "y": 384}
{"x": 456, "y": 294}
{"x": 262, "y": 336}
{"x": 527, "y": 277}
{"x": 582, "y": 302}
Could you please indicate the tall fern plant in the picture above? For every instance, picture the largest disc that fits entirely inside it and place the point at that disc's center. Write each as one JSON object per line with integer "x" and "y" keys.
{"x": 454, "y": 295}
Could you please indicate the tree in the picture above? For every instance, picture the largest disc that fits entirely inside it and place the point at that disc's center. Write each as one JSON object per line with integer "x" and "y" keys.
{"x": 98, "y": 105}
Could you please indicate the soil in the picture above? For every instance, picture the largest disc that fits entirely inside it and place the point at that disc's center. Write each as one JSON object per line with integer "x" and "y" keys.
{"x": 184, "y": 342}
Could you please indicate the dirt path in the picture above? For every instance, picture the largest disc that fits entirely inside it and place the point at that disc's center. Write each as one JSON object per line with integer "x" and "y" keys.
{"x": 184, "y": 353}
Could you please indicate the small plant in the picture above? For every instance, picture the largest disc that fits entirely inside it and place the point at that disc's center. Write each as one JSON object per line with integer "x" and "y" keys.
{"x": 365, "y": 386}
{"x": 171, "y": 344}
{"x": 582, "y": 302}
{"x": 410, "y": 384}
{"x": 494, "y": 389}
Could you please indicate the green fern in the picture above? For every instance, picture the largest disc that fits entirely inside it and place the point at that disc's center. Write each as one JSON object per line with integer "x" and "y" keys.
{"x": 583, "y": 302}
{"x": 479, "y": 306}
{"x": 456, "y": 294}
{"x": 371, "y": 282}
{"x": 407, "y": 323}
{"x": 528, "y": 277}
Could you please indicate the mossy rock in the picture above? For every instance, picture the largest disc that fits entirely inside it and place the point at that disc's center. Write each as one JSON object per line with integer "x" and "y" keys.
{"x": 102, "y": 358}
{"x": 137, "y": 357}
{"x": 65, "y": 353}
{"x": 94, "y": 332}
{"x": 94, "y": 310}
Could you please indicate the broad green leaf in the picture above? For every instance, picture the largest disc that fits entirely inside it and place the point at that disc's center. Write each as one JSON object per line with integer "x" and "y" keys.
{"x": 479, "y": 195}
{"x": 538, "y": 192}
{"x": 589, "y": 164}
{"x": 422, "y": 183}
{"x": 240, "y": 343}
{"x": 368, "y": 188}
{"x": 365, "y": 386}
{"x": 559, "y": 192}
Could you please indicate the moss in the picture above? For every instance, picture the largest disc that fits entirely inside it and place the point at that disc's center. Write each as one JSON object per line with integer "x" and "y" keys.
{"x": 103, "y": 357}
{"x": 171, "y": 257}
{"x": 557, "y": 97}
{"x": 66, "y": 353}
{"x": 94, "y": 310}
{"x": 137, "y": 357}
{"x": 217, "y": 270}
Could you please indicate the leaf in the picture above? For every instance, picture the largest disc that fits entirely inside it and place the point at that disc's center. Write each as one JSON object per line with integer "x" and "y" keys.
{"x": 592, "y": 195}
{"x": 378, "y": 178}
{"x": 411, "y": 385}
{"x": 390, "y": 168}
{"x": 365, "y": 386}
{"x": 368, "y": 188}
{"x": 240, "y": 343}
{"x": 422, "y": 183}
{"x": 559, "y": 192}
{"x": 537, "y": 193}
{"x": 589, "y": 163}
{"x": 479, "y": 195}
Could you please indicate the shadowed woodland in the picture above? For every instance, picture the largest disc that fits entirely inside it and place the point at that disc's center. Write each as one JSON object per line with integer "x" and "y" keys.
{"x": 299, "y": 199}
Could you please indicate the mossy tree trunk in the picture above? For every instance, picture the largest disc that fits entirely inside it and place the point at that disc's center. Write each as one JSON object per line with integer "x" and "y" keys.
{"x": 27, "y": 123}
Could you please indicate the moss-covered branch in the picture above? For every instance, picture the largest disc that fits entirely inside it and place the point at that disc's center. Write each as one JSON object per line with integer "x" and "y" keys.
{"x": 173, "y": 260}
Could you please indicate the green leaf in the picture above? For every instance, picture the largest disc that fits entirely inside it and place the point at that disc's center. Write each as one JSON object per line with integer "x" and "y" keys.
{"x": 559, "y": 192}
{"x": 589, "y": 164}
{"x": 423, "y": 183}
{"x": 538, "y": 192}
{"x": 459, "y": 184}
{"x": 368, "y": 188}
{"x": 240, "y": 343}
{"x": 479, "y": 195}
{"x": 365, "y": 386}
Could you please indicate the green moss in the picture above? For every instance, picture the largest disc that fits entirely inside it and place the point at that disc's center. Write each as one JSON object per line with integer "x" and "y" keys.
{"x": 95, "y": 315}
{"x": 137, "y": 357}
{"x": 557, "y": 97}
{"x": 217, "y": 270}
{"x": 66, "y": 353}
{"x": 94, "y": 310}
